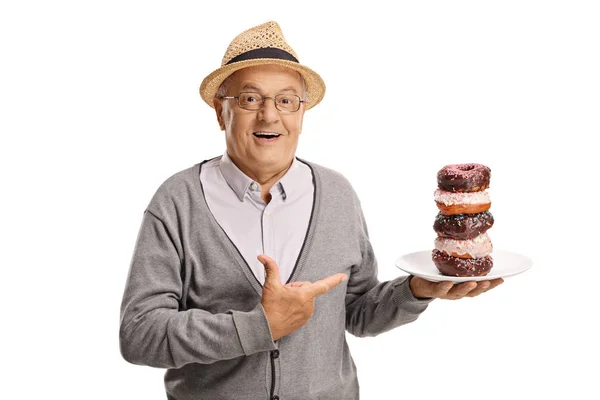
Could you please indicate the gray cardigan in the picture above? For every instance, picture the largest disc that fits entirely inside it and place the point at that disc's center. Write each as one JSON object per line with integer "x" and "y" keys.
{"x": 191, "y": 303}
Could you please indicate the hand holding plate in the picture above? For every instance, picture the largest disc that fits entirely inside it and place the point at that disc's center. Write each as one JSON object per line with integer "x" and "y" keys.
{"x": 422, "y": 288}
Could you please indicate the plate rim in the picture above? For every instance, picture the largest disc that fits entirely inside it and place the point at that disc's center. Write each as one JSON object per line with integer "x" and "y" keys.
{"x": 458, "y": 279}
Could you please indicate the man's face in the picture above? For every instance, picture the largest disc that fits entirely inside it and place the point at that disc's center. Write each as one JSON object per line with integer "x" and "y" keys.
{"x": 242, "y": 126}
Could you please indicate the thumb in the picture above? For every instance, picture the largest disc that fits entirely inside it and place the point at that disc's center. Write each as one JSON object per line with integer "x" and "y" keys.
{"x": 271, "y": 270}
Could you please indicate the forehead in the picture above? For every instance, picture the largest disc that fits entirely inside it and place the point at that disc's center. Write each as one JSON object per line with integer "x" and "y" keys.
{"x": 266, "y": 78}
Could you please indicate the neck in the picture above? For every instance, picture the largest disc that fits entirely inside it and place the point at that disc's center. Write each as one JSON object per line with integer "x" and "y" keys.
{"x": 266, "y": 177}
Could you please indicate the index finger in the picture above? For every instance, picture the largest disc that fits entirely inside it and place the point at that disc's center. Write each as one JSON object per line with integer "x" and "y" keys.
{"x": 326, "y": 284}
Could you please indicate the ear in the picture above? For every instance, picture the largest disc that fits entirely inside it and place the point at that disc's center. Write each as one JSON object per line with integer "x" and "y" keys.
{"x": 219, "y": 110}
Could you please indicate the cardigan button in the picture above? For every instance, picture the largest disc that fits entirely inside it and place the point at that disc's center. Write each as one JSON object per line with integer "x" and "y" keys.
{"x": 275, "y": 398}
{"x": 275, "y": 354}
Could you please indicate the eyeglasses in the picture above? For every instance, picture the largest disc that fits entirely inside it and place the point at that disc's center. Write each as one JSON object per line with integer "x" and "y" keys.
{"x": 254, "y": 101}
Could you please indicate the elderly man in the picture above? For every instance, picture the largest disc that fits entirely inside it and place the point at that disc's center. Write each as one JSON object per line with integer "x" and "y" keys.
{"x": 249, "y": 267}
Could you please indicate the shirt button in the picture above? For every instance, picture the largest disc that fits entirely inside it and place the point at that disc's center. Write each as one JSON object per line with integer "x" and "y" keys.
{"x": 253, "y": 186}
{"x": 267, "y": 213}
{"x": 275, "y": 353}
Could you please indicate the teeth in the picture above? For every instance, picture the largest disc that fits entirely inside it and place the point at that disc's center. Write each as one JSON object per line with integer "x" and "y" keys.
{"x": 266, "y": 134}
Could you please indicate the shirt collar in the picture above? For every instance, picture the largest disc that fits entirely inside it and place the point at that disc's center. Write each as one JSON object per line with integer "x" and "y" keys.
{"x": 236, "y": 179}
{"x": 288, "y": 185}
{"x": 294, "y": 181}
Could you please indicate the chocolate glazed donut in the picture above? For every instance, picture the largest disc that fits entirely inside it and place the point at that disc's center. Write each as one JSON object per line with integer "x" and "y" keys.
{"x": 454, "y": 266}
{"x": 464, "y": 178}
{"x": 463, "y": 226}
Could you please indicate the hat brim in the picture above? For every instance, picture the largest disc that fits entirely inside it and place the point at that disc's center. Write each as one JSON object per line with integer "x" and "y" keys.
{"x": 315, "y": 87}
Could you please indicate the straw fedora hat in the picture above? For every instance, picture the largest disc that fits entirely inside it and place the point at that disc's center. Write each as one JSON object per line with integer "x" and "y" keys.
{"x": 262, "y": 44}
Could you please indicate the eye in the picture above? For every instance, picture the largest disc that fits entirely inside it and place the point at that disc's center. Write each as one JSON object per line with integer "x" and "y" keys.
{"x": 286, "y": 100}
{"x": 250, "y": 98}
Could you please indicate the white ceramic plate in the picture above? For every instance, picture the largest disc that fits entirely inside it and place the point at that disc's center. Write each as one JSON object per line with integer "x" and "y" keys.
{"x": 506, "y": 263}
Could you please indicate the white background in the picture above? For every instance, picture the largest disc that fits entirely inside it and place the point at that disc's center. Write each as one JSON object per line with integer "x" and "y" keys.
{"x": 99, "y": 105}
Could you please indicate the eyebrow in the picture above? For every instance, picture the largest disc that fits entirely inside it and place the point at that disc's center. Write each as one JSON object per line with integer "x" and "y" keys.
{"x": 254, "y": 87}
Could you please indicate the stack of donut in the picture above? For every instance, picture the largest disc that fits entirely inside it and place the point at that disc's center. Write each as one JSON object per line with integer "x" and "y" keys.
{"x": 463, "y": 247}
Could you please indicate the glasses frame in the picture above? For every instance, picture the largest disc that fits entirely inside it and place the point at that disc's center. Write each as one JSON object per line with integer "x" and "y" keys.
{"x": 262, "y": 104}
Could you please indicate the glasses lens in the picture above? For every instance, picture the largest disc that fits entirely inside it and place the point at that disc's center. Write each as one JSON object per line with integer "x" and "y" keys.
{"x": 287, "y": 102}
{"x": 250, "y": 101}
{"x": 283, "y": 102}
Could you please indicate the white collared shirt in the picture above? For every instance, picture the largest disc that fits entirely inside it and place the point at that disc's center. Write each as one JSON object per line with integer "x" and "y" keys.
{"x": 276, "y": 229}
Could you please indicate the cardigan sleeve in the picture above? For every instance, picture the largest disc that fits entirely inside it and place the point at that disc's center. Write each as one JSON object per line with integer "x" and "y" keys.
{"x": 374, "y": 307}
{"x": 154, "y": 332}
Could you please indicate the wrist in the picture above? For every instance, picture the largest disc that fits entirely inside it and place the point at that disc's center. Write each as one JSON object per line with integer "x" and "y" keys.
{"x": 415, "y": 289}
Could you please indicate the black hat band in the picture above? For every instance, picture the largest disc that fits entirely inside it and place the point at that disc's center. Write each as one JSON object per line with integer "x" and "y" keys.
{"x": 267, "y": 52}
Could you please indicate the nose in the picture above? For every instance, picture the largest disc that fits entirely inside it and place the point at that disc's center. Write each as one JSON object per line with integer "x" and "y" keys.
{"x": 268, "y": 112}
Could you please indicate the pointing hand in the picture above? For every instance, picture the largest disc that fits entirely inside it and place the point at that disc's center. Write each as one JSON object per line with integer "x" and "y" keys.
{"x": 289, "y": 307}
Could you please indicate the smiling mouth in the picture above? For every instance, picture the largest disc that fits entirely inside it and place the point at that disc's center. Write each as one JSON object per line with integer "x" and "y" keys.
{"x": 266, "y": 135}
